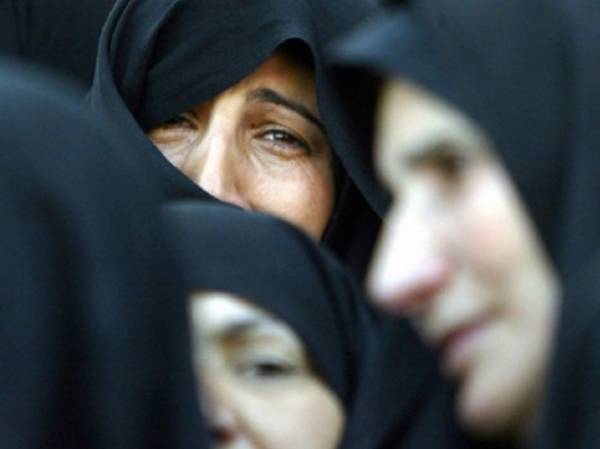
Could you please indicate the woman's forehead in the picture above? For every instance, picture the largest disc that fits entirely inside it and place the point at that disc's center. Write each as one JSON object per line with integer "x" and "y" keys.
{"x": 221, "y": 315}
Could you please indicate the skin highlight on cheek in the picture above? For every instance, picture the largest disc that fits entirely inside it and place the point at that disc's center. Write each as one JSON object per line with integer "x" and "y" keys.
{"x": 308, "y": 418}
{"x": 283, "y": 198}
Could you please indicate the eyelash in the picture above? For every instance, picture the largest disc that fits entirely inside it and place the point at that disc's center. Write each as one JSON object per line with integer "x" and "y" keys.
{"x": 451, "y": 165}
{"x": 266, "y": 369}
{"x": 286, "y": 139}
{"x": 280, "y": 138}
{"x": 185, "y": 118}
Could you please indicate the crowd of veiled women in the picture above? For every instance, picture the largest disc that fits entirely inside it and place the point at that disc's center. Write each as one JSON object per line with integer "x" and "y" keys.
{"x": 299, "y": 224}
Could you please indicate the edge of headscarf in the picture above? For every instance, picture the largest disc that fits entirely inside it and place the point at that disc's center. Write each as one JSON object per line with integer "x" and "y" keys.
{"x": 47, "y": 188}
{"x": 410, "y": 29}
{"x": 104, "y": 100}
{"x": 356, "y": 320}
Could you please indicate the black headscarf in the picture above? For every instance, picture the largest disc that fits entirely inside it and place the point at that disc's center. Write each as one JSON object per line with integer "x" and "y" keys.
{"x": 160, "y": 58}
{"x": 527, "y": 73}
{"x": 93, "y": 337}
{"x": 54, "y": 34}
{"x": 277, "y": 267}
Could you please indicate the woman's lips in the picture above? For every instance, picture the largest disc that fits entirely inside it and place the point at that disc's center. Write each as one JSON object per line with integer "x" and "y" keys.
{"x": 457, "y": 346}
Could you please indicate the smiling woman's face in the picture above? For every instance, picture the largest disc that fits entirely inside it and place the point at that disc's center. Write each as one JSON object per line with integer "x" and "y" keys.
{"x": 258, "y": 387}
{"x": 259, "y": 145}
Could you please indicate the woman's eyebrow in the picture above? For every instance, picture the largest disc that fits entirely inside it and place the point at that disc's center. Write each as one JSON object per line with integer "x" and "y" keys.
{"x": 250, "y": 327}
{"x": 239, "y": 328}
{"x": 434, "y": 149}
{"x": 265, "y": 95}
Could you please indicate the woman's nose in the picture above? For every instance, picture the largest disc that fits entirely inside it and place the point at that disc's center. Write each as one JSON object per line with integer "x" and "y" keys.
{"x": 214, "y": 167}
{"x": 220, "y": 416}
{"x": 410, "y": 266}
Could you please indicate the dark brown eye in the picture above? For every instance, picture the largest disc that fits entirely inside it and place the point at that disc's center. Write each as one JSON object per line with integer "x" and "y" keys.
{"x": 285, "y": 140}
{"x": 184, "y": 120}
{"x": 282, "y": 136}
{"x": 452, "y": 164}
{"x": 444, "y": 159}
{"x": 266, "y": 369}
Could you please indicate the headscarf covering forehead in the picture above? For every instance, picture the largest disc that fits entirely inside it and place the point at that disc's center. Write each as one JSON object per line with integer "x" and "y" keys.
{"x": 276, "y": 267}
{"x": 206, "y": 47}
{"x": 516, "y": 88}
{"x": 196, "y": 49}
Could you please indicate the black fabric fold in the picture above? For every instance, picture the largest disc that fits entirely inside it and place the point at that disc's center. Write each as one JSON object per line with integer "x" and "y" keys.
{"x": 58, "y": 35}
{"x": 275, "y": 266}
{"x": 94, "y": 343}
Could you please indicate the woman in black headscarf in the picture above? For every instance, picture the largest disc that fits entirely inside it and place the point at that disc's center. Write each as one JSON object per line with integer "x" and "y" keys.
{"x": 93, "y": 336}
{"x": 466, "y": 115}
{"x": 170, "y": 65}
{"x": 284, "y": 336}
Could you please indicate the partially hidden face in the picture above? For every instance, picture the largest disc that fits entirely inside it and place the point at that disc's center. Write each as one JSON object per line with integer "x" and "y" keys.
{"x": 259, "y": 145}
{"x": 459, "y": 257}
{"x": 258, "y": 387}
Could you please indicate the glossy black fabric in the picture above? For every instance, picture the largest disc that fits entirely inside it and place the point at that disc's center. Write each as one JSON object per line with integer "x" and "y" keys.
{"x": 160, "y": 58}
{"x": 93, "y": 337}
{"x": 56, "y": 34}
{"x": 408, "y": 404}
{"x": 525, "y": 72}
{"x": 271, "y": 264}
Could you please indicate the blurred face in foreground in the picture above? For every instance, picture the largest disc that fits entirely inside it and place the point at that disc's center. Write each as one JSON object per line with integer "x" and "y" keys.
{"x": 259, "y": 145}
{"x": 258, "y": 386}
{"x": 460, "y": 258}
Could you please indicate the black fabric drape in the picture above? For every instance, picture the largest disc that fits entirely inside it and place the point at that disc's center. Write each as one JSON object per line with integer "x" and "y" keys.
{"x": 54, "y": 34}
{"x": 160, "y": 58}
{"x": 524, "y": 71}
{"x": 409, "y": 404}
{"x": 277, "y": 267}
{"x": 93, "y": 337}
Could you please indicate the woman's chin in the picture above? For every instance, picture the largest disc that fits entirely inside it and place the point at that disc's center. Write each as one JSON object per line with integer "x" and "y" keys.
{"x": 489, "y": 407}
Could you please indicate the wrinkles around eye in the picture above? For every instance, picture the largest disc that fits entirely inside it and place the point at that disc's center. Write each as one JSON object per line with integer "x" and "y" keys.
{"x": 284, "y": 142}
{"x": 182, "y": 127}
{"x": 175, "y": 137}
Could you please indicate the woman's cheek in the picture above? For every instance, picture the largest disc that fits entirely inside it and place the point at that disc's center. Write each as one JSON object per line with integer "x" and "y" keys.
{"x": 491, "y": 226}
{"x": 304, "y": 417}
{"x": 303, "y": 195}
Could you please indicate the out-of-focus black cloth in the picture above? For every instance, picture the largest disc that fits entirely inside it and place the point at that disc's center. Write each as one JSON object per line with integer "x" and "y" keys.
{"x": 56, "y": 34}
{"x": 271, "y": 264}
{"x": 527, "y": 73}
{"x": 93, "y": 337}
{"x": 159, "y": 58}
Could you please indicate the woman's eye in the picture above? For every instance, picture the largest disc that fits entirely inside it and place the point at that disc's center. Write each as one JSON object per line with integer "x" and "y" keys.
{"x": 452, "y": 165}
{"x": 266, "y": 369}
{"x": 184, "y": 120}
{"x": 285, "y": 141}
{"x": 447, "y": 161}
{"x": 175, "y": 135}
